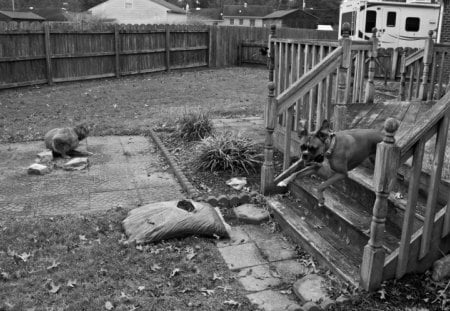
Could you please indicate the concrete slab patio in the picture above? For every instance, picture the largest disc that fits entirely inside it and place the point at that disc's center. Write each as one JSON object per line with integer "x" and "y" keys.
{"x": 124, "y": 171}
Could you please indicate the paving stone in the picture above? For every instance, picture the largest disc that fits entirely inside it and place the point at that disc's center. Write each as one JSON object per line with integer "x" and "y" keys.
{"x": 290, "y": 270}
{"x": 251, "y": 213}
{"x": 159, "y": 179}
{"x": 309, "y": 288}
{"x": 276, "y": 249}
{"x": 76, "y": 164}
{"x": 38, "y": 169}
{"x": 242, "y": 256}
{"x": 271, "y": 300}
{"x": 160, "y": 194}
{"x": 258, "y": 278}
{"x": 237, "y": 236}
{"x": 45, "y": 156}
{"x": 257, "y": 232}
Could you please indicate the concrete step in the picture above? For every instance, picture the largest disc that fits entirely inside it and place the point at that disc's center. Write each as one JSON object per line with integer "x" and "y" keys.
{"x": 344, "y": 216}
{"x": 318, "y": 239}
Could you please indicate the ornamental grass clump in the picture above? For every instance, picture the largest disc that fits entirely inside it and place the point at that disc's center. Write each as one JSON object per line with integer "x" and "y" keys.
{"x": 194, "y": 126}
{"x": 228, "y": 152}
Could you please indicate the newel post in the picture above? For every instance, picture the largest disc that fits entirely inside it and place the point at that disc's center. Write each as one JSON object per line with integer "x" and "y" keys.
{"x": 386, "y": 164}
{"x": 370, "y": 86}
{"x": 267, "y": 169}
{"x": 343, "y": 91}
{"x": 427, "y": 58}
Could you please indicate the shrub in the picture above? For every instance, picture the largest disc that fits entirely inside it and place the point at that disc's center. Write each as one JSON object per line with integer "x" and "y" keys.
{"x": 228, "y": 152}
{"x": 194, "y": 126}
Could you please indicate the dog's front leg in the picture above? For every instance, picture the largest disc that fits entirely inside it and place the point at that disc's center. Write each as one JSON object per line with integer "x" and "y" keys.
{"x": 327, "y": 183}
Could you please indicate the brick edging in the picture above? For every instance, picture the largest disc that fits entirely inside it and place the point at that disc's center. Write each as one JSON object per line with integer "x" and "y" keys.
{"x": 182, "y": 179}
{"x": 221, "y": 200}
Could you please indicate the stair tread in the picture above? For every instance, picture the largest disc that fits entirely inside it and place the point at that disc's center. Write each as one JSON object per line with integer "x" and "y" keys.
{"x": 342, "y": 258}
{"x": 350, "y": 211}
{"x": 364, "y": 176}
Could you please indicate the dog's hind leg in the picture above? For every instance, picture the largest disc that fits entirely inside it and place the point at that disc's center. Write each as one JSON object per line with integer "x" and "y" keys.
{"x": 336, "y": 177}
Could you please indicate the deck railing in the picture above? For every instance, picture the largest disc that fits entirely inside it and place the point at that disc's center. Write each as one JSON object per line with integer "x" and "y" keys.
{"x": 419, "y": 249}
{"x": 312, "y": 80}
{"x": 424, "y": 70}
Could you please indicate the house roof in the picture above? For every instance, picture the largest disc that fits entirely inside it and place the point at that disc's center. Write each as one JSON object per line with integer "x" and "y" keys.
{"x": 250, "y": 10}
{"x": 206, "y": 13}
{"x": 172, "y": 7}
{"x": 22, "y": 15}
{"x": 283, "y": 13}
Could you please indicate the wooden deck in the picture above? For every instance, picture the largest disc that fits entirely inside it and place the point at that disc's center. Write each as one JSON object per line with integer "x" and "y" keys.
{"x": 374, "y": 115}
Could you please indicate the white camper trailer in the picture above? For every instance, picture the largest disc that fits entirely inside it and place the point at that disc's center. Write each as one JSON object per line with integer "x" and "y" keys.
{"x": 403, "y": 24}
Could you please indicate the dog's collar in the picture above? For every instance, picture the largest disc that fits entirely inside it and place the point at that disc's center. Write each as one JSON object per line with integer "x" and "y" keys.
{"x": 331, "y": 145}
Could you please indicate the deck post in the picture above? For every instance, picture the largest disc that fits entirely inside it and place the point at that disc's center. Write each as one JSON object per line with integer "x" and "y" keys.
{"x": 401, "y": 93}
{"x": 370, "y": 86}
{"x": 386, "y": 164}
{"x": 267, "y": 169}
{"x": 427, "y": 58}
{"x": 340, "y": 108}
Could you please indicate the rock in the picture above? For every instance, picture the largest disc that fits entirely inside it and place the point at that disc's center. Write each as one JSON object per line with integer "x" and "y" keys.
{"x": 38, "y": 169}
{"x": 250, "y": 213}
{"x": 311, "y": 306}
{"x": 237, "y": 183}
{"x": 342, "y": 298}
{"x": 45, "y": 156}
{"x": 441, "y": 269}
{"x": 76, "y": 164}
{"x": 309, "y": 288}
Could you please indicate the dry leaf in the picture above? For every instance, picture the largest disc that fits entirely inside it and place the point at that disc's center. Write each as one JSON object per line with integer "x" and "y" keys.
{"x": 71, "y": 283}
{"x": 174, "y": 272}
{"x": 53, "y": 265}
{"x": 109, "y": 305}
{"x": 125, "y": 296}
{"x": 139, "y": 247}
{"x": 82, "y": 237}
{"x": 382, "y": 293}
{"x": 5, "y": 276}
{"x": 54, "y": 288}
{"x": 141, "y": 288}
{"x": 217, "y": 277}
{"x": 207, "y": 292}
{"x": 155, "y": 267}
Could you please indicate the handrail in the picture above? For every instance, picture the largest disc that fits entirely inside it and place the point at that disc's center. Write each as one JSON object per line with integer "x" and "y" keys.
{"x": 306, "y": 41}
{"x": 423, "y": 126}
{"x": 307, "y": 81}
{"x": 414, "y": 57}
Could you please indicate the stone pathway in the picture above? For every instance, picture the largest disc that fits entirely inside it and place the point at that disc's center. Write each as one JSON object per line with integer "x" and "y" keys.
{"x": 266, "y": 265}
{"x": 124, "y": 171}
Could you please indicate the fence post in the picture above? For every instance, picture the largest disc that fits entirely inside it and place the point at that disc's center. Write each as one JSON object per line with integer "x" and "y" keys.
{"x": 117, "y": 49}
{"x": 401, "y": 93}
{"x": 267, "y": 169}
{"x": 386, "y": 164}
{"x": 427, "y": 58}
{"x": 48, "y": 53}
{"x": 167, "y": 48}
{"x": 340, "y": 108}
{"x": 370, "y": 86}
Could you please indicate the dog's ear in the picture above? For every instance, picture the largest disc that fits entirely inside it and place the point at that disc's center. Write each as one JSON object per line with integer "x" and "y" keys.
{"x": 302, "y": 129}
{"x": 324, "y": 128}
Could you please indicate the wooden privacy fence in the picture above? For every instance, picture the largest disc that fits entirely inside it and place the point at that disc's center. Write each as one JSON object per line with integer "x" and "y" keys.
{"x": 311, "y": 80}
{"x": 47, "y": 54}
{"x": 35, "y": 53}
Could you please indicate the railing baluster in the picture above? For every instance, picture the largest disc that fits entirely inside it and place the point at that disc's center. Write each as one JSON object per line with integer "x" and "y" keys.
{"x": 386, "y": 164}
{"x": 446, "y": 226}
{"x": 340, "y": 109}
{"x": 427, "y": 56}
{"x": 362, "y": 66}
{"x": 319, "y": 112}
{"x": 441, "y": 72}
{"x": 413, "y": 191}
{"x": 432, "y": 76}
{"x": 402, "y": 94}
{"x": 417, "y": 66}
{"x": 313, "y": 92}
{"x": 287, "y": 139}
{"x": 411, "y": 81}
{"x": 435, "y": 179}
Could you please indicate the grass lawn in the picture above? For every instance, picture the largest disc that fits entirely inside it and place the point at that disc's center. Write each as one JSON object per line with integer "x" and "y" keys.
{"x": 131, "y": 105}
{"x": 82, "y": 263}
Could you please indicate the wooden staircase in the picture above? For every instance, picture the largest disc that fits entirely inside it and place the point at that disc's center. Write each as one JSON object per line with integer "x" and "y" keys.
{"x": 367, "y": 231}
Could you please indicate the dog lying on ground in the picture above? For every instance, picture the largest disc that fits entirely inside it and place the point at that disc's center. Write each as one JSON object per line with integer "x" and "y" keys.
{"x": 344, "y": 151}
{"x": 64, "y": 141}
